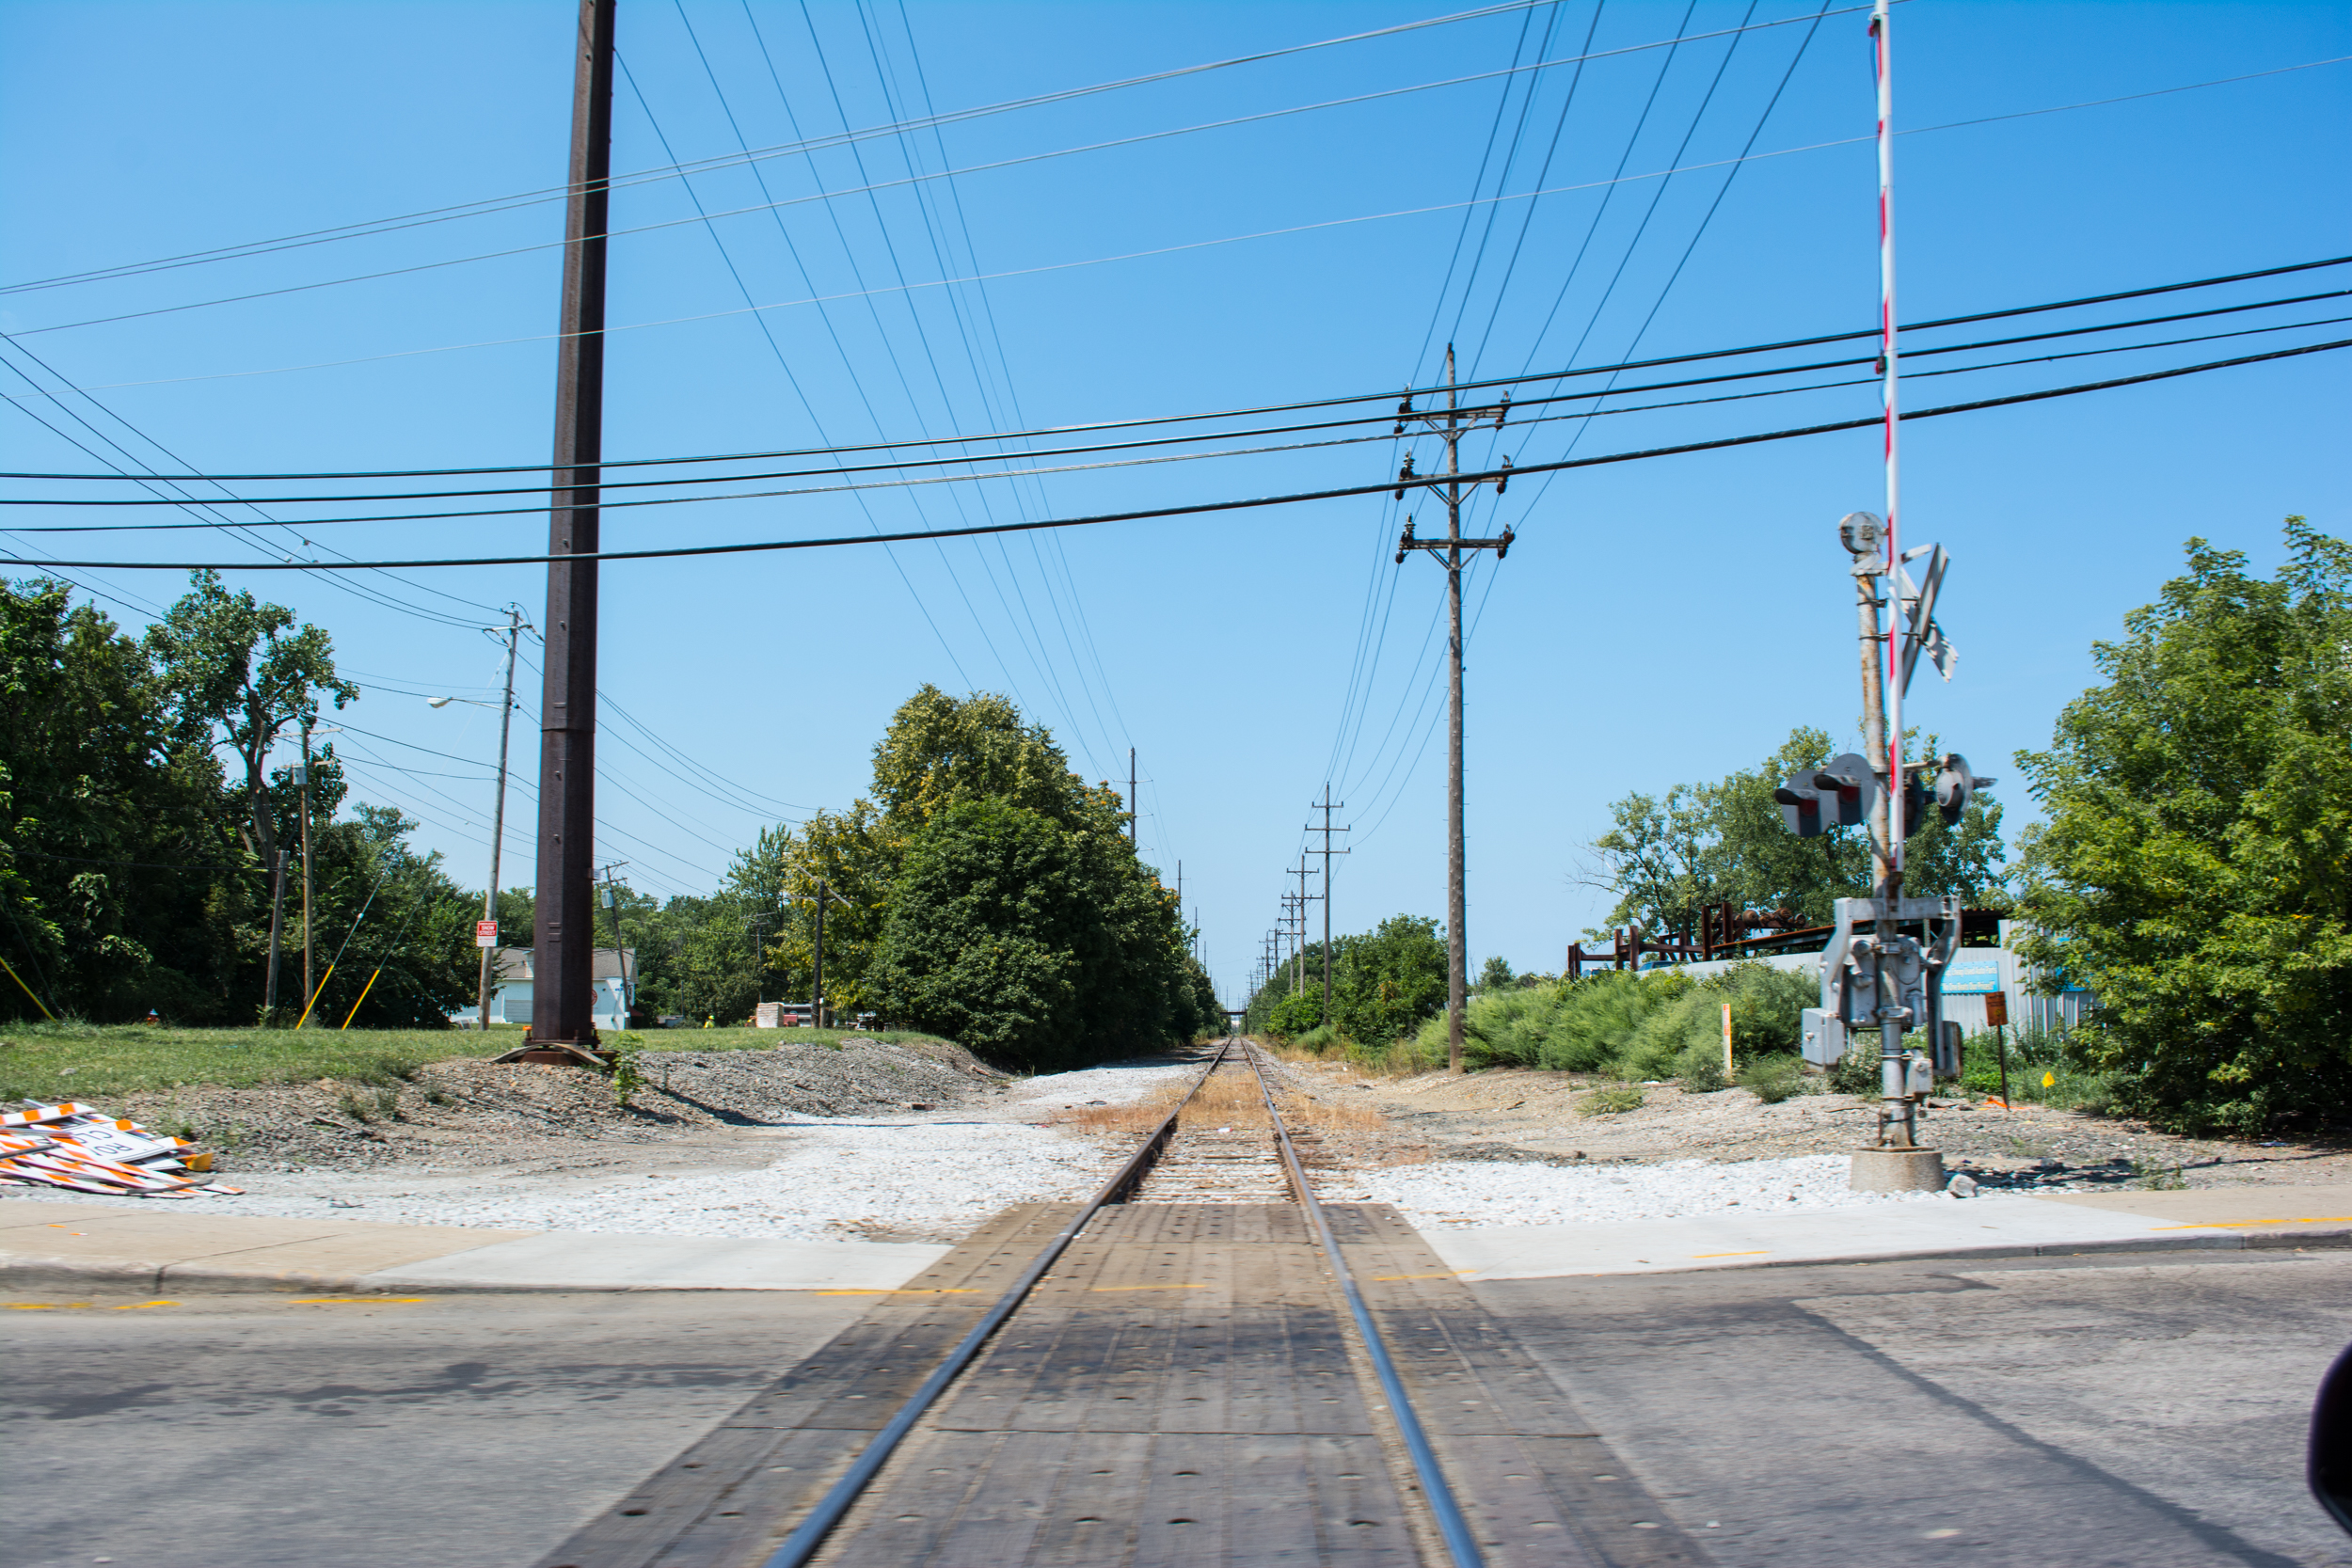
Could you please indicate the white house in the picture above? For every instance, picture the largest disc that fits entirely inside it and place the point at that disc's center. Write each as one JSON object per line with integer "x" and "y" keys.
{"x": 616, "y": 972}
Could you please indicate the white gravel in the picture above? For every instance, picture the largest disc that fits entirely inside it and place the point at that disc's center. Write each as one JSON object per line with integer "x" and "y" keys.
{"x": 833, "y": 1183}
{"x": 1478, "y": 1192}
{"x": 1119, "y": 1084}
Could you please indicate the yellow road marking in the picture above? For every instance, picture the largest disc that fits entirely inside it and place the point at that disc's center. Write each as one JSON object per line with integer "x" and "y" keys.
{"x": 44, "y": 1305}
{"x": 356, "y": 1301}
{"x": 951, "y": 1291}
{"x": 143, "y": 1306}
{"x": 1759, "y": 1252}
{"x": 2235, "y": 1225}
{"x": 1384, "y": 1278}
{"x": 1105, "y": 1290}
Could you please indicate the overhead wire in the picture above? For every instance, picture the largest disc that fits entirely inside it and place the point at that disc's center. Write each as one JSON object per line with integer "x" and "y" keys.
{"x": 775, "y": 349}
{"x": 366, "y": 227}
{"x": 1306, "y": 427}
{"x": 1196, "y": 508}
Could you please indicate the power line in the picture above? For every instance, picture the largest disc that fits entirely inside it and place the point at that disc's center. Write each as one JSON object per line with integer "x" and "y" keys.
{"x": 1196, "y": 508}
{"x": 1256, "y": 409}
{"x": 1580, "y": 416}
{"x": 367, "y": 227}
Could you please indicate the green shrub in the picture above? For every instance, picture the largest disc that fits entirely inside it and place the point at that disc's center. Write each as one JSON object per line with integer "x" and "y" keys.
{"x": 1774, "y": 1078}
{"x": 1610, "y": 1102}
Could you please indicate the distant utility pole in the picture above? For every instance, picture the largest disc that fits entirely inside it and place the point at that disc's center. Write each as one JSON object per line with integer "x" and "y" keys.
{"x": 817, "y": 978}
{"x": 498, "y": 816}
{"x": 277, "y": 919}
{"x": 1305, "y": 898}
{"x": 564, "y": 1018}
{"x": 610, "y": 899}
{"x": 757, "y": 925}
{"x": 310, "y": 985}
{"x": 1449, "y": 424}
{"x": 1326, "y": 805}
{"x": 1131, "y": 797}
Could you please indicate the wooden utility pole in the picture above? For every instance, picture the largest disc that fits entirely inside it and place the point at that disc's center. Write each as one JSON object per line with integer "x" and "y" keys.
{"x": 1449, "y": 424}
{"x": 1131, "y": 798}
{"x": 276, "y": 920}
{"x": 309, "y": 982}
{"x": 497, "y": 818}
{"x": 1326, "y": 805}
{"x": 564, "y": 1004}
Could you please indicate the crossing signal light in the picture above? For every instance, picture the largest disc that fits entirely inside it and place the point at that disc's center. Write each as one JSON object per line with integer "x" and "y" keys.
{"x": 1814, "y": 799}
{"x": 1954, "y": 787}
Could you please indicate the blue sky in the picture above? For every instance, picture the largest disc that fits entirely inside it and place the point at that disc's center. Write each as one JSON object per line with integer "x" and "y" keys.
{"x": 1658, "y": 622}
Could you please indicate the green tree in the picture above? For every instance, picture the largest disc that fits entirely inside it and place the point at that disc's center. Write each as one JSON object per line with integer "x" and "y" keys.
{"x": 123, "y": 888}
{"x": 1707, "y": 844}
{"x": 1384, "y": 983}
{"x": 2192, "y": 872}
{"x": 991, "y": 933}
{"x": 231, "y": 661}
{"x": 397, "y": 929}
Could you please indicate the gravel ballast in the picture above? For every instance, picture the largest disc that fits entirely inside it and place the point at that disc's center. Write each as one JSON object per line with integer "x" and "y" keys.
{"x": 1456, "y": 1193}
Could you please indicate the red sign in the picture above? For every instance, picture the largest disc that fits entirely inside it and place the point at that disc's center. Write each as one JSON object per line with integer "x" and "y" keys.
{"x": 486, "y": 933}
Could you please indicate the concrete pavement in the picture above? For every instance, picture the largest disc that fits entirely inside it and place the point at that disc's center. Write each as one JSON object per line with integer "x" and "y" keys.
{"x": 153, "y": 1246}
{"x": 1990, "y": 1226}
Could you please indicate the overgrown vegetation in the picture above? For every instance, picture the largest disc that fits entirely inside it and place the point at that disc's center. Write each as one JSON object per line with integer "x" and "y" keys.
{"x": 1708, "y": 843}
{"x": 140, "y": 816}
{"x": 1384, "y": 983}
{"x": 93, "y": 1062}
{"x": 1655, "y": 1026}
{"x": 2192, "y": 872}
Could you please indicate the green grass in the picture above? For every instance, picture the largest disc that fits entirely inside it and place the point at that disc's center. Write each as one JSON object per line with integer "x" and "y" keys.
{"x": 1613, "y": 1101}
{"x": 93, "y": 1062}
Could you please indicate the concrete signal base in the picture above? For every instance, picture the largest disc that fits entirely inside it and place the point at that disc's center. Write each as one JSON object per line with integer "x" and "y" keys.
{"x": 1895, "y": 1170}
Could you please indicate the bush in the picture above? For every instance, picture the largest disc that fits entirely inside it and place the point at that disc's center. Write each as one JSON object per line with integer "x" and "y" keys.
{"x": 1319, "y": 1040}
{"x": 1610, "y": 1102}
{"x": 1774, "y": 1078}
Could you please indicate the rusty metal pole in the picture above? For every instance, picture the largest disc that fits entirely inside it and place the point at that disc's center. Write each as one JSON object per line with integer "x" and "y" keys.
{"x": 564, "y": 1004}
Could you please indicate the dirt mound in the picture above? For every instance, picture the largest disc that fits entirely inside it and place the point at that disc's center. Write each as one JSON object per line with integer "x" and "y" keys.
{"x": 473, "y": 1112}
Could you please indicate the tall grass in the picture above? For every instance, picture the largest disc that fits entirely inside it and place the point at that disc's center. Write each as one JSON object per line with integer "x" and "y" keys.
{"x": 1659, "y": 1024}
{"x": 70, "y": 1060}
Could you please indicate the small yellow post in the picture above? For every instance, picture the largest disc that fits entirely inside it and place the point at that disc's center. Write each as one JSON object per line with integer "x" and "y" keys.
{"x": 363, "y": 996}
{"x": 1726, "y": 1040}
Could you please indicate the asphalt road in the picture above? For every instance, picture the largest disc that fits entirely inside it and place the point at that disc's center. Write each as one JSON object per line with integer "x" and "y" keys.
{"x": 2137, "y": 1413}
{"x": 2144, "y": 1413}
{"x": 448, "y": 1432}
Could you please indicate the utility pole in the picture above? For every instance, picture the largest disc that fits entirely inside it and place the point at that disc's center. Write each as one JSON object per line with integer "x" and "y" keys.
{"x": 277, "y": 918}
{"x": 757, "y": 925}
{"x": 562, "y": 1018}
{"x": 1449, "y": 424}
{"x": 1326, "y": 805}
{"x": 1305, "y": 898}
{"x": 498, "y": 815}
{"x": 309, "y": 983}
{"x": 603, "y": 875}
{"x": 816, "y": 980}
{"x": 1131, "y": 798}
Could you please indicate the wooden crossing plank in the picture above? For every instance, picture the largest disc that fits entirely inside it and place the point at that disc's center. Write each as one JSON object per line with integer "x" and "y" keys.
{"x": 1177, "y": 1391}
{"x": 775, "y": 1455}
{"x": 1189, "y": 1365}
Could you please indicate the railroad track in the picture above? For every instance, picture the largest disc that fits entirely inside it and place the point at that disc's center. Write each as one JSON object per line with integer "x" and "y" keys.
{"x": 1227, "y": 1163}
{"x": 1183, "y": 1369}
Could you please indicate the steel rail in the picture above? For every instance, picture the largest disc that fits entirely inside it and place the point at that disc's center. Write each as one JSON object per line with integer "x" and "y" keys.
{"x": 1460, "y": 1544}
{"x": 810, "y": 1533}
